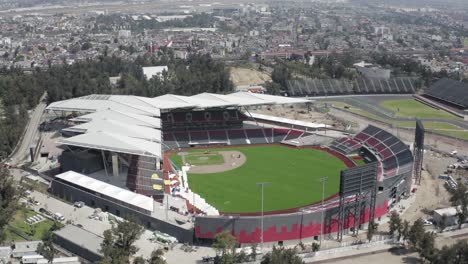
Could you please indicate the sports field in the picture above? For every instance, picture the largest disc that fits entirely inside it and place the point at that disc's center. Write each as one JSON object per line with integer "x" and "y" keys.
{"x": 204, "y": 158}
{"x": 411, "y": 108}
{"x": 293, "y": 175}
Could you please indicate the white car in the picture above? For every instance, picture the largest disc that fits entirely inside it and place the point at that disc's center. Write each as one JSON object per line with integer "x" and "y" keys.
{"x": 427, "y": 222}
{"x": 59, "y": 217}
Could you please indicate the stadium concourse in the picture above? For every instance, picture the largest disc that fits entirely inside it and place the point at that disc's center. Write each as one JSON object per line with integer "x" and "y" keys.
{"x": 124, "y": 141}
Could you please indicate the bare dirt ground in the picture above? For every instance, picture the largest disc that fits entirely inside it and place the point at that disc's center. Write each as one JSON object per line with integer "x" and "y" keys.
{"x": 243, "y": 76}
{"x": 300, "y": 113}
{"x": 232, "y": 160}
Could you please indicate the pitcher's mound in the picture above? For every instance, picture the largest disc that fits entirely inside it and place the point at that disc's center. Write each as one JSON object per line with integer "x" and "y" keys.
{"x": 232, "y": 160}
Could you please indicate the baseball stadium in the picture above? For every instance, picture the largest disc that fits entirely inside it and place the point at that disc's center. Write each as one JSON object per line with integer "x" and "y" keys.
{"x": 264, "y": 178}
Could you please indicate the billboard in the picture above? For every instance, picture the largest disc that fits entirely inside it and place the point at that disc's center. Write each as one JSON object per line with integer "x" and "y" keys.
{"x": 358, "y": 179}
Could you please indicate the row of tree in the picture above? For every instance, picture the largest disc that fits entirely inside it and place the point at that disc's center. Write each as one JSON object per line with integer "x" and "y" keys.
{"x": 226, "y": 244}
{"x": 424, "y": 241}
{"x": 20, "y": 91}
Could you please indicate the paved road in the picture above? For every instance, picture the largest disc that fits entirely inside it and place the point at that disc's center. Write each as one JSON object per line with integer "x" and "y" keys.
{"x": 22, "y": 150}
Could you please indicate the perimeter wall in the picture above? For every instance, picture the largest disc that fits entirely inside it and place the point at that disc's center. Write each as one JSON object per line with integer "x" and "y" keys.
{"x": 282, "y": 227}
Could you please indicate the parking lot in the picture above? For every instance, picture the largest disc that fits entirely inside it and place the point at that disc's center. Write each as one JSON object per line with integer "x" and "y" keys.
{"x": 80, "y": 216}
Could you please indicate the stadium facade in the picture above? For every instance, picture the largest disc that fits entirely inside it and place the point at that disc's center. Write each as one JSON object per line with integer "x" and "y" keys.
{"x": 129, "y": 138}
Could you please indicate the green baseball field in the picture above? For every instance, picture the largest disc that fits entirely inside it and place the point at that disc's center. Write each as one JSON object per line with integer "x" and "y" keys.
{"x": 412, "y": 108}
{"x": 293, "y": 175}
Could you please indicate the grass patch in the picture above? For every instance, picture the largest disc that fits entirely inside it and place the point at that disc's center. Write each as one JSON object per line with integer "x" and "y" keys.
{"x": 35, "y": 231}
{"x": 408, "y": 108}
{"x": 11, "y": 236}
{"x": 458, "y": 134}
{"x": 293, "y": 173}
{"x": 204, "y": 158}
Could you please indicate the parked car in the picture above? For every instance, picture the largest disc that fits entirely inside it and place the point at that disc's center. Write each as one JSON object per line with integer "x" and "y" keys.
{"x": 59, "y": 217}
{"x": 427, "y": 222}
{"x": 79, "y": 204}
{"x": 44, "y": 211}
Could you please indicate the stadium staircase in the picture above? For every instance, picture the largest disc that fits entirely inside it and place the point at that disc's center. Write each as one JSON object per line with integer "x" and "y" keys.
{"x": 143, "y": 177}
{"x": 195, "y": 201}
{"x": 361, "y": 85}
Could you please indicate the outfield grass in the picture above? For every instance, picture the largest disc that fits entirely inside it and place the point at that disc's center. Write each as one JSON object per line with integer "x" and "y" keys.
{"x": 204, "y": 158}
{"x": 293, "y": 173}
{"x": 409, "y": 108}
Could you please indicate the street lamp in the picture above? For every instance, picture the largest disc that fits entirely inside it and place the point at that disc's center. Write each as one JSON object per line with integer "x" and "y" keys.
{"x": 262, "y": 185}
{"x": 323, "y": 181}
{"x": 303, "y": 211}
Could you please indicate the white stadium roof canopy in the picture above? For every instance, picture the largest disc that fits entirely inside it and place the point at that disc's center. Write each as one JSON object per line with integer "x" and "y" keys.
{"x": 128, "y": 124}
{"x": 94, "y": 103}
{"x": 153, "y": 106}
{"x": 288, "y": 121}
{"x": 117, "y": 128}
{"x": 112, "y": 142}
{"x": 121, "y": 117}
{"x": 119, "y": 194}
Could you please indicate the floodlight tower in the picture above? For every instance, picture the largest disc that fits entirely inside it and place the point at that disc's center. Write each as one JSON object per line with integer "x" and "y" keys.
{"x": 262, "y": 186}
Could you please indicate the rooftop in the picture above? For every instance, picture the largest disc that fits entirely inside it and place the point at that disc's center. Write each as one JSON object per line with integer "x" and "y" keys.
{"x": 119, "y": 194}
{"x": 129, "y": 104}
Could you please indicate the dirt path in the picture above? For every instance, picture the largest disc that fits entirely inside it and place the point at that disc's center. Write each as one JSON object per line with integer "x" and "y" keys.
{"x": 232, "y": 160}
{"x": 242, "y": 76}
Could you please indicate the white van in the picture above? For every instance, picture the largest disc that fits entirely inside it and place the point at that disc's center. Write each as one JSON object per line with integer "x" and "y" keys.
{"x": 59, "y": 217}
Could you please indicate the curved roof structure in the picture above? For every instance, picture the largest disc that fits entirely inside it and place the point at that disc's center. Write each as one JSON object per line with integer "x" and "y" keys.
{"x": 116, "y": 143}
{"x": 130, "y": 124}
{"x": 118, "y": 128}
{"x": 153, "y": 106}
{"x": 121, "y": 117}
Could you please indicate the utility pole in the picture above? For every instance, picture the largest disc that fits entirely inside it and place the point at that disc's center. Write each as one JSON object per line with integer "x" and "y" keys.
{"x": 262, "y": 185}
{"x": 323, "y": 181}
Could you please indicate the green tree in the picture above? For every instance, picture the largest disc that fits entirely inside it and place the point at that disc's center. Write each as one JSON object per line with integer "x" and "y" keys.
{"x": 273, "y": 88}
{"x": 459, "y": 199}
{"x": 281, "y": 75}
{"x": 416, "y": 233}
{"x": 442, "y": 224}
{"x": 253, "y": 252}
{"x": 9, "y": 197}
{"x": 394, "y": 223}
{"x": 139, "y": 260}
{"x": 405, "y": 230}
{"x": 157, "y": 257}
{"x": 315, "y": 247}
{"x": 426, "y": 246}
{"x": 225, "y": 243}
{"x": 281, "y": 255}
{"x": 454, "y": 254}
{"x": 46, "y": 248}
{"x": 372, "y": 228}
{"x": 118, "y": 243}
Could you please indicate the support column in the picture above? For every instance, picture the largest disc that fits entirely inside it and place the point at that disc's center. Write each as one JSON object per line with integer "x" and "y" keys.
{"x": 158, "y": 163}
{"x": 104, "y": 162}
{"x": 115, "y": 164}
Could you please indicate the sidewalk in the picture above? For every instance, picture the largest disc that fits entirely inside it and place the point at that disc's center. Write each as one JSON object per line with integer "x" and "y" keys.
{"x": 348, "y": 252}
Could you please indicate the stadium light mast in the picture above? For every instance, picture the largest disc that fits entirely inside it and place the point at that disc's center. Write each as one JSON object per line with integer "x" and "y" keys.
{"x": 262, "y": 185}
{"x": 323, "y": 181}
